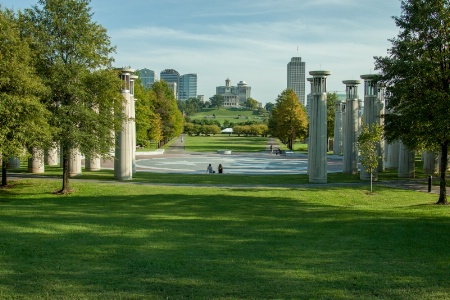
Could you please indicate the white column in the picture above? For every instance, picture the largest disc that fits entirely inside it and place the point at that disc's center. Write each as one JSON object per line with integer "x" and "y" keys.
{"x": 36, "y": 161}
{"x": 92, "y": 164}
{"x": 405, "y": 162}
{"x": 350, "y": 148}
{"x": 123, "y": 168}
{"x": 14, "y": 163}
{"x": 338, "y": 126}
{"x": 74, "y": 163}
{"x": 430, "y": 162}
{"x": 308, "y": 110}
{"x": 317, "y": 148}
{"x": 51, "y": 156}
{"x": 133, "y": 122}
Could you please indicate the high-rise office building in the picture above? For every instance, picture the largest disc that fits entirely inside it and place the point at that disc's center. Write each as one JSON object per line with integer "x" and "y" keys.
{"x": 147, "y": 77}
{"x": 187, "y": 87}
{"x": 296, "y": 78}
{"x": 171, "y": 77}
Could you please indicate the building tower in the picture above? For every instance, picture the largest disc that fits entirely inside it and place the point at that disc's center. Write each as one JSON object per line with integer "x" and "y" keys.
{"x": 296, "y": 78}
{"x": 243, "y": 91}
{"x": 350, "y": 147}
{"x": 187, "y": 87}
{"x": 147, "y": 77}
{"x": 172, "y": 78}
{"x": 318, "y": 144}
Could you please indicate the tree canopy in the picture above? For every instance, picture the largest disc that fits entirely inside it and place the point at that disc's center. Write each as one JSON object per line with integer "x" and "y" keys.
{"x": 148, "y": 123}
{"x": 251, "y": 103}
{"x": 217, "y": 101}
{"x": 289, "y": 120}
{"x": 417, "y": 78}
{"x": 23, "y": 118}
{"x": 73, "y": 59}
{"x": 165, "y": 106}
{"x": 331, "y": 112}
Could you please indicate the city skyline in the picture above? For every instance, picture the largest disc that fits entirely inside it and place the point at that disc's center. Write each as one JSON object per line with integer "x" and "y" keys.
{"x": 247, "y": 40}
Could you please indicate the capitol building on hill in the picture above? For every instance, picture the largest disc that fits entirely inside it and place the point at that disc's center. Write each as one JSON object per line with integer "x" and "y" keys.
{"x": 234, "y": 96}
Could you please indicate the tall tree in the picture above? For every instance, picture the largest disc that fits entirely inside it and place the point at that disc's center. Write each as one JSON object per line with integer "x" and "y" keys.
{"x": 269, "y": 106}
{"x": 417, "y": 78}
{"x": 165, "y": 106}
{"x": 289, "y": 120}
{"x": 148, "y": 123}
{"x": 72, "y": 50}
{"x": 23, "y": 118}
{"x": 331, "y": 111}
{"x": 217, "y": 101}
{"x": 251, "y": 103}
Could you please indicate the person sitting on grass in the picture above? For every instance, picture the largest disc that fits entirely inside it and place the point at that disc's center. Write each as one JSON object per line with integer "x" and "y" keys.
{"x": 209, "y": 169}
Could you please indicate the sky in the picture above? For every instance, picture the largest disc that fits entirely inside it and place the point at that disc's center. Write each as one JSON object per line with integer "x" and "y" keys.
{"x": 249, "y": 40}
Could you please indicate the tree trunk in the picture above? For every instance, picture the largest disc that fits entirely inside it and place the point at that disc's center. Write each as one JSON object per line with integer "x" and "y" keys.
{"x": 66, "y": 172}
{"x": 443, "y": 166}
{"x": 4, "y": 180}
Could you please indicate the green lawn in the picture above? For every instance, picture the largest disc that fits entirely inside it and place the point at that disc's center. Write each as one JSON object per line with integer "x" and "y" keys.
{"x": 225, "y": 141}
{"x": 133, "y": 241}
{"x": 234, "y": 115}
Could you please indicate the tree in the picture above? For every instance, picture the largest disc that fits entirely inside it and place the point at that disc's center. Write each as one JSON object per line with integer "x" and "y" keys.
{"x": 368, "y": 140}
{"x": 192, "y": 105}
{"x": 23, "y": 118}
{"x": 269, "y": 106}
{"x": 251, "y": 103}
{"x": 165, "y": 106}
{"x": 148, "y": 123}
{"x": 417, "y": 78}
{"x": 74, "y": 62}
{"x": 289, "y": 120}
{"x": 217, "y": 101}
{"x": 331, "y": 111}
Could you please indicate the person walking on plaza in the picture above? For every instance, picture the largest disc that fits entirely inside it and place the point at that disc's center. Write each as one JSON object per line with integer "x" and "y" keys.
{"x": 271, "y": 149}
{"x": 209, "y": 169}
{"x": 220, "y": 169}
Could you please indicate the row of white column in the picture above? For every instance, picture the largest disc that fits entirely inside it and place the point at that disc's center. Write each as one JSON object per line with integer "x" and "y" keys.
{"x": 125, "y": 148}
{"x": 348, "y": 122}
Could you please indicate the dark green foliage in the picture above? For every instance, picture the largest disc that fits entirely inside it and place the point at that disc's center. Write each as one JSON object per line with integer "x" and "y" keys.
{"x": 417, "y": 78}
{"x": 23, "y": 118}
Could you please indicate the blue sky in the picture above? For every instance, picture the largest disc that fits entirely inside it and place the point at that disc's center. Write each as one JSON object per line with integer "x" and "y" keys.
{"x": 251, "y": 40}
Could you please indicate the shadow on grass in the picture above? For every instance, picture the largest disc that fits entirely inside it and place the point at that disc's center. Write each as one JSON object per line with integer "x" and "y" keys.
{"x": 159, "y": 243}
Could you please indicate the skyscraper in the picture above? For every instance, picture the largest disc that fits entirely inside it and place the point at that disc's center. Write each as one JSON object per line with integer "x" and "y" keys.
{"x": 187, "y": 87}
{"x": 171, "y": 77}
{"x": 296, "y": 78}
{"x": 147, "y": 77}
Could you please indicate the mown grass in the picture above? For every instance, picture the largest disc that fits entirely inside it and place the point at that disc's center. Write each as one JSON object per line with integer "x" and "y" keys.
{"x": 229, "y": 142}
{"x": 234, "y": 115}
{"x": 133, "y": 241}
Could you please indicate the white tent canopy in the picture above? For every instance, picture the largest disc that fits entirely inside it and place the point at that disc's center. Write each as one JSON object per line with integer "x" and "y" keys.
{"x": 227, "y": 130}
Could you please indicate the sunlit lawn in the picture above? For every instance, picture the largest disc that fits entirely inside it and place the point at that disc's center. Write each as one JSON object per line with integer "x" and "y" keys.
{"x": 225, "y": 141}
{"x": 132, "y": 241}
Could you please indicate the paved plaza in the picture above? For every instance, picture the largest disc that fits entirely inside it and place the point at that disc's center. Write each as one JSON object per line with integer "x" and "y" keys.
{"x": 242, "y": 163}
